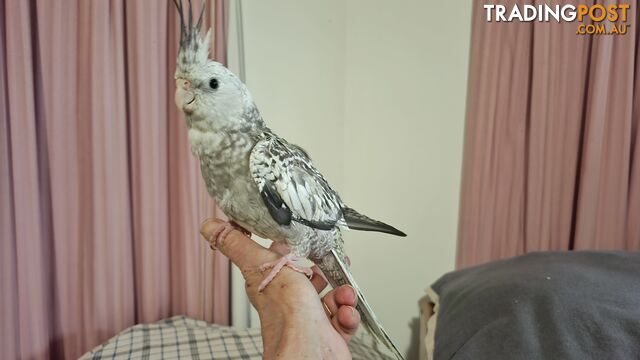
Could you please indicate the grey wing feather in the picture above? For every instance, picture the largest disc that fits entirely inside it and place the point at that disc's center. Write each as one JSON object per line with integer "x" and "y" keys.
{"x": 288, "y": 181}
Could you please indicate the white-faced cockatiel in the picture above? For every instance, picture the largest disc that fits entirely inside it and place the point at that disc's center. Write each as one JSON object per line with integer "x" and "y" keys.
{"x": 263, "y": 183}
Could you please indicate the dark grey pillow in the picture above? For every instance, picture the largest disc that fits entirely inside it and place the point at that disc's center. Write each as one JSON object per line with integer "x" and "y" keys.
{"x": 549, "y": 305}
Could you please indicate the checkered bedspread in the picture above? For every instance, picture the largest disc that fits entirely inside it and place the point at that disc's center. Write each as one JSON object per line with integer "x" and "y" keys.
{"x": 185, "y": 338}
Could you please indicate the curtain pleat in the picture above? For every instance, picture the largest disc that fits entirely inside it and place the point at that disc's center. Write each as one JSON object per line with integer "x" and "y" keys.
{"x": 100, "y": 196}
{"x": 550, "y": 159}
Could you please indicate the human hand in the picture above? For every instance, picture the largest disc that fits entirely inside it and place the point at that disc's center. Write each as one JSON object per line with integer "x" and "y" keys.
{"x": 295, "y": 323}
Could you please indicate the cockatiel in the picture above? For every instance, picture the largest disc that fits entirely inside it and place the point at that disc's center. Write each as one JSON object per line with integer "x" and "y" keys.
{"x": 263, "y": 183}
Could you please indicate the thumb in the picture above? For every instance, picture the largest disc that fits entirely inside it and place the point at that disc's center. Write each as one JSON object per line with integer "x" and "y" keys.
{"x": 242, "y": 251}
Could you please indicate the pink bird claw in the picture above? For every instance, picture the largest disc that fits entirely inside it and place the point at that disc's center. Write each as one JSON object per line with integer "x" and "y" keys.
{"x": 276, "y": 266}
{"x": 308, "y": 272}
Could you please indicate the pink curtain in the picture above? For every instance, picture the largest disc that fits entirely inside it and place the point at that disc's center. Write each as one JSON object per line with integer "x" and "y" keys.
{"x": 552, "y": 142}
{"x": 100, "y": 197}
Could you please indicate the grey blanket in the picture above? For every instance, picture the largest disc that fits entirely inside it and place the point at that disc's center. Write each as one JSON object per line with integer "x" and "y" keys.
{"x": 570, "y": 305}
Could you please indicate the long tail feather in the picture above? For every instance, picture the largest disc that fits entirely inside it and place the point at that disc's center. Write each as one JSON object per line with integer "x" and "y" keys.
{"x": 335, "y": 269}
{"x": 357, "y": 221}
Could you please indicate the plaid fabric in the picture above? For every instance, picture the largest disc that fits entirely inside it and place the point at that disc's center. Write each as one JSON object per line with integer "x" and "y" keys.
{"x": 185, "y": 338}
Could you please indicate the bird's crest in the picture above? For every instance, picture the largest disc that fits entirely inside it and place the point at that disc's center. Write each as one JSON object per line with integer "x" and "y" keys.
{"x": 194, "y": 50}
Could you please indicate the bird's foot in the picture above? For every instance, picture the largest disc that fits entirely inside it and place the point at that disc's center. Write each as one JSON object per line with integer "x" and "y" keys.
{"x": 276, "y": 266}
{"x": 222, "y": 231}
{"x": 280, "y": 248}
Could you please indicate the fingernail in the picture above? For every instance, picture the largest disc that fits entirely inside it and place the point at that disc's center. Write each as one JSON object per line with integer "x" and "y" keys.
{"x": 353, "y": 311}
{"x": 352, "y": 289}
{"x": 204, "y": 221}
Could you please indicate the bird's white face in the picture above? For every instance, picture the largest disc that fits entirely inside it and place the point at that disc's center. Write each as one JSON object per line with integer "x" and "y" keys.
{"x": 211, "y": 96}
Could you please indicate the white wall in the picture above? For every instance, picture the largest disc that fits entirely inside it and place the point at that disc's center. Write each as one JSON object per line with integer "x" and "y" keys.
{"x": 295, "y": 71}
{"x": 406, "y": 69}
{"x": 375, "y": 91}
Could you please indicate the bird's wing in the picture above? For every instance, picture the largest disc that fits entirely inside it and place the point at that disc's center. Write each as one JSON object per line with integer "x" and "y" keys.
{"x": 292, "y": 188}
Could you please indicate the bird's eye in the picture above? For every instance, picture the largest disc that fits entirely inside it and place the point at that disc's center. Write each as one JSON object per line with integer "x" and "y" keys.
{"x": 213, "y": 83}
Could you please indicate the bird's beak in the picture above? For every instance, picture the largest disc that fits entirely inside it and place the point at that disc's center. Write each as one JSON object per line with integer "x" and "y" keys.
{"x": 185, "y": 98}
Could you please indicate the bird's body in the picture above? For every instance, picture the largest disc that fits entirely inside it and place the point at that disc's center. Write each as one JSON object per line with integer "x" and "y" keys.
{"x": 260, "y": 181}
{"x": 225, "y": 163}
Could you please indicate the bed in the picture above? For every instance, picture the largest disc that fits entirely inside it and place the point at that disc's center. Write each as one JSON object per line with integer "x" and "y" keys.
{"x": 547, "y": 305}
{"x": 185, "y": 338}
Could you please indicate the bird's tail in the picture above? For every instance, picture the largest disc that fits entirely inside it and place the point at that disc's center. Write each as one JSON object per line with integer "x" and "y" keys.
{"x": 334, "y": 267}
{"x": 357, "y": 221}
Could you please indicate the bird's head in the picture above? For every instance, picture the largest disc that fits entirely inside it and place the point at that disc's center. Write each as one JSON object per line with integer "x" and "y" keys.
{"x": 210, "y": 95}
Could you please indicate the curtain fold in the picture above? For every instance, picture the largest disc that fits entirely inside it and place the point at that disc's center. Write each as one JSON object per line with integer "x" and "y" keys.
{"x": 551, "y": 157}
{"x": 100, "y": 197}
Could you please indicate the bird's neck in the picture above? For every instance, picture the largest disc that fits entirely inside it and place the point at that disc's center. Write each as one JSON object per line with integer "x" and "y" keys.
{"x": 210, "y": 135}
{"x": 213, "y": 142}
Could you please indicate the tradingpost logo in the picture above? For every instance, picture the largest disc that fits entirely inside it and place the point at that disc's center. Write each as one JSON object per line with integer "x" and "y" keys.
{"x": 594, "y": 19}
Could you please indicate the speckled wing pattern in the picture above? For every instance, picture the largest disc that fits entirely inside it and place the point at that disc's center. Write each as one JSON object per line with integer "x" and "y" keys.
{"x": 291, "y": 187}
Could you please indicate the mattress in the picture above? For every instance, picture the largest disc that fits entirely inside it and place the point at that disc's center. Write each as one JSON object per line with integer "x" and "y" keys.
{"x": 545, "y": 305}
